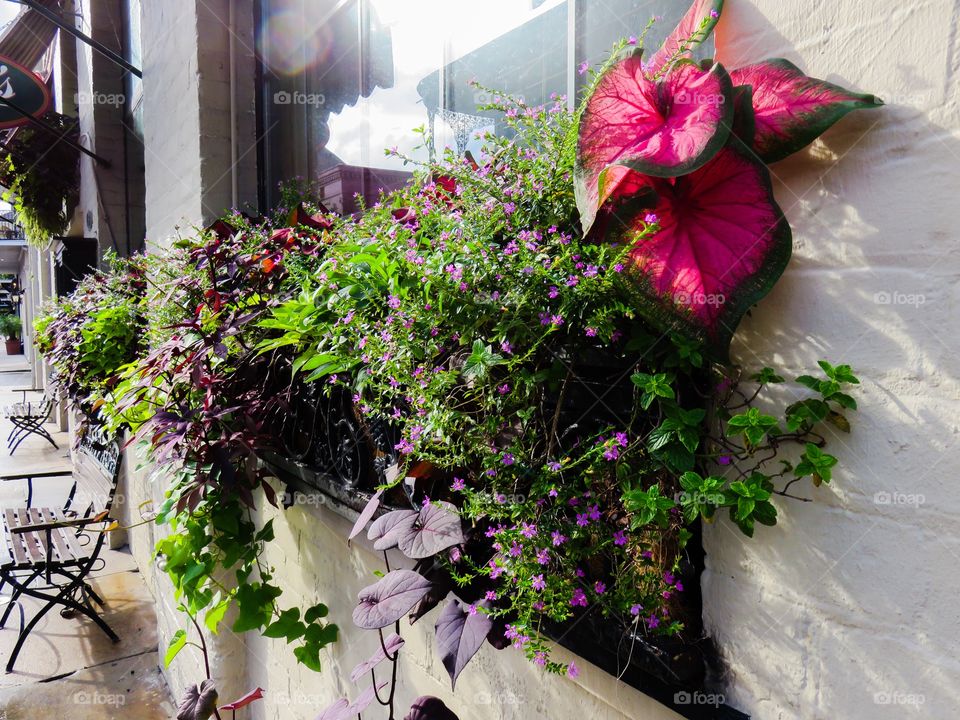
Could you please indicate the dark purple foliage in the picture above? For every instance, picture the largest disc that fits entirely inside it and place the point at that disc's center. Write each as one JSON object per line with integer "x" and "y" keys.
{"x": 429, "y": 708}
{"x": 460, "y": 633}
{"x": 389, "y": 599}
{"x": 437, "y": 527}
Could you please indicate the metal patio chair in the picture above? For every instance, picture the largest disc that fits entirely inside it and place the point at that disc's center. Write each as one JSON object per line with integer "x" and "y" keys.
{"x": 51, "y": 552}
{"x": 29, "y": 417}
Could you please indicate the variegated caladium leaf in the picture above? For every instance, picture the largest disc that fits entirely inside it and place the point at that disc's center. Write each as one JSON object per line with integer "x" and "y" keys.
{"x": 460, "y": 631}
{"x": 792, "y": 110}
{"x": 389, "y": 599}
{"x": 722, "y": 244}
{"x": 693, "y": 29}
{"x": 664, "y": 128}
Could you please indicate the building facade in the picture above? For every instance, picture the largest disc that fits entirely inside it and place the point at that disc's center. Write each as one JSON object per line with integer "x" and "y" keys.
{"x": 847, "y": 607}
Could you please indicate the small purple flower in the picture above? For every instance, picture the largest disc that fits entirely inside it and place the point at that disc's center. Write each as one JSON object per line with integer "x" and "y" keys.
{"x": 668, "y": 578}
{"x": 539, "y": 583}
{"x": 506, "y": 347}
{"x": 504, "y": 389}
{"x": 558, "y": 538}
{"x": 516, "y": 550}
{"x": 724, "y": 460}
{"x": 579, "y": 572}
{"x": 635, "y": 610}
{"x": 528, "y": 530}
{"x": 590, "y": 332}
{"x": 553, "y": 293}
{"x": 583, "y": 67}
{"x": 553, "y": 466}
{"x": 507, "y": 459}
{"x": 540, "y": 658}
{"x": 611, "y": 453}
{"x": 599, "y": 588}
{"x": 618, "y": 267}
{"x": 393, "y": 301}
{"x": 572, "y": 670}
{"x": 404, "y": 446}
{"x": 653, "y": 621}
{"x": 622, "y": 439}
{"x": 594, "y": 511}
{"x": 679, "y": 587}
{"x": 582, "y": 520}
{"x": 620, "y": 538}
{"x": 579, "y": 598}
{"x": 543, "y": 556}
{"x": 632, "y": 40}
{"x": 714, "y": 14}
{"x": 490, "y": 595}
{"x": 458, "y": 484}
{"x": 509, "y": 208}
{"x": 651, "y": 218}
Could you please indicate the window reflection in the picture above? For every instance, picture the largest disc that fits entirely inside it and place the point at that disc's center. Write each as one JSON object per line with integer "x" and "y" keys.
{"x": 346, "y": 79}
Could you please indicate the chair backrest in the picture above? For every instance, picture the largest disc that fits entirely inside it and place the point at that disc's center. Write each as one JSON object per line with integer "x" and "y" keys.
{"x": 96, "y": 473}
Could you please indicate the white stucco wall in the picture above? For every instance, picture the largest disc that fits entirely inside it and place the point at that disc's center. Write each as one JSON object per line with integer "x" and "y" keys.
{"x": 847, "y": 609}
{"x": 849, "y": 602}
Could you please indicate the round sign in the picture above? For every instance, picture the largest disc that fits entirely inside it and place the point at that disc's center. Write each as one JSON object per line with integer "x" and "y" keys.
{"x": 24, "y": 89}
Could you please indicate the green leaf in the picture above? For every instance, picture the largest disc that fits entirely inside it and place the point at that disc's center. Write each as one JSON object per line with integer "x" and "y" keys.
{"x": 177, "y": 643}
{"x": 215, "y": 615}
{"x": 316, "y": 612}
{"x": 287, "y": 626}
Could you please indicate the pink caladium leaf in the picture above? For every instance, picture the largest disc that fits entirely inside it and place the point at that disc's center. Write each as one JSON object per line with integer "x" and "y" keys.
{"x": 460, "y": 632}
{"x": 792, "y": 110}
{"x": 664, "y": 128}
{"x": 722, "y": 244}
{"x": 693, "y": 29}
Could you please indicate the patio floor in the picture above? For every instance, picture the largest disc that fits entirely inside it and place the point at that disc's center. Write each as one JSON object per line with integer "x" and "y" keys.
{"x": 69, "y": 668}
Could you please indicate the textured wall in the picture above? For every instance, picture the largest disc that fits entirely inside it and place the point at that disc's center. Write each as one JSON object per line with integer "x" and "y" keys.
{"x": 848, "y": 607}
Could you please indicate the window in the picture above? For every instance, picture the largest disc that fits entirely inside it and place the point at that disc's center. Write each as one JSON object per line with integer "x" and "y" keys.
{"x": 345, "y": 80}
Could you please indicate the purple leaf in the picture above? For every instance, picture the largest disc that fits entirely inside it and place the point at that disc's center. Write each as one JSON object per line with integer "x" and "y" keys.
{"x": 385, "y": 529}
{"x": 389, "y": 599}
{"x": 337, "y": 711}
{"x": 392, "y": 643}
{"x": 365, "y": 515}
{"x": 429, "y": 708}
{"x": 366, "y": 697}
{"x": 792, "y": 110}
{"x": 199, "y": 702}
{"x": 693, "y": 29}
{"x": 460, "y": 633}
{"x": 437, "y": 527}
{"x": 664, "y": 127}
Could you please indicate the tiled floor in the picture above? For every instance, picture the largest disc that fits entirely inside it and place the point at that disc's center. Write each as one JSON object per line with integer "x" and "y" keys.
{"x": 69, "y": 668}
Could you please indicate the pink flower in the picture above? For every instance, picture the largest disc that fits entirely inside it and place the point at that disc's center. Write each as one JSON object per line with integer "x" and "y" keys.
{"x": 572, "y": 670}
{"x": 490, "y": 595}
{"x": 458, "y": 484}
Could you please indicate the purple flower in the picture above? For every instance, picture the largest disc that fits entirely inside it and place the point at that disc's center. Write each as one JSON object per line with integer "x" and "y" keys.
{"x": 506, "y": 347}
{"x": 679, "y": 587}
{"x": 516, "y": 550}
{"x": 572, "y": 670}
{"x": 507, "y": 459}
{"x": 553, "y": 466}
{"x": 724, "y": 460}
{"x": 653, "y": 621}
{"x": 611, "y": 453}
{"x": 556, "y": 320}
{"x": 651, "y": 218}
{"x": 538, "y": 606}
{"x": 558, "y": 538}
{"x": 594, "y": 511}
{"x": 714, "y": 14}
{"x": 528, "y": 530}
{"x": 543, "y": 556}
{"x": 620, "y": 538}
{"x": 632, "y": 40}
{"x": 583, "y": 67}
{"x": 504, "y": 389}
{"x": 573, "y": 281}
{"x": 393, "y": 301}
{"x": 490, "y": 595}
{"x": 622, "y": 439}
{"x": 582, "y": 519}
{"x": 579, "y": 572}
{"x": 553, "y": 293}
{"x": 599, "y": 588}
{"x": 404, "y": 446}
{"x": 635, "y": 610}
{"x": 618, "y": 267}
{"x": 578, "y": 598}
{"x": 668, "y": 578}
{"x": 539, "y": 583}
{"x": 590, "y": 332}
{"x": 540, "y": 658}
{"x": 458, "y": 484}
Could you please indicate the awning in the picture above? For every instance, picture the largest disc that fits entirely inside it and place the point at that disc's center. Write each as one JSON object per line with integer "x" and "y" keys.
{"x": 27, "y": 39}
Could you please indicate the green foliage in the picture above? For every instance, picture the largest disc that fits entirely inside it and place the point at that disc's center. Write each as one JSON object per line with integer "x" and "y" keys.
{"x": 10, "y": 326}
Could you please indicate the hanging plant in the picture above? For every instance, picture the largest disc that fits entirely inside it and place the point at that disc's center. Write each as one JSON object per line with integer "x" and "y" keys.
{"x": 42, "y": 177}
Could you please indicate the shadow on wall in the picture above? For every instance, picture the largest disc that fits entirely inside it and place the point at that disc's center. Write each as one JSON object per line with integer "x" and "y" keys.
{"x": 847, "y": 607}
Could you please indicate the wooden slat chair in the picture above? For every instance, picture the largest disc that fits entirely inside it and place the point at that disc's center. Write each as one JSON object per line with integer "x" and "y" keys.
{"x": 29, "y": 417}
{"x": 51, "y": 552}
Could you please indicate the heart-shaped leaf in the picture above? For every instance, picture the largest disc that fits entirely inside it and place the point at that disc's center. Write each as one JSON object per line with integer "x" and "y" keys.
{"x": 722, "y": 243}
{"x": 386, "y": 528}
{"x": 371, "y": 507}
{"x": 693, "y": 29}
{"x": 437, "y": 527}
{"x": 429, "y": 708}
{"x": 389, "y": 599}
{"x": 199, "y": 702}
{"x": 392, "y": 643}
{"x": 460, "y": 633}
{"x": 663, "y": 128}
{"x": 792, "y": 110}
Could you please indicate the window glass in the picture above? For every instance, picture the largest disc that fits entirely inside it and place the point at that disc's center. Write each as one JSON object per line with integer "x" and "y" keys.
{"x": 345, "y": 80}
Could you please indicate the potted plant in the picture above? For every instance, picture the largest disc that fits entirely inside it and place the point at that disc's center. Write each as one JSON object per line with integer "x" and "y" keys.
{"x": 10, "y": 327}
